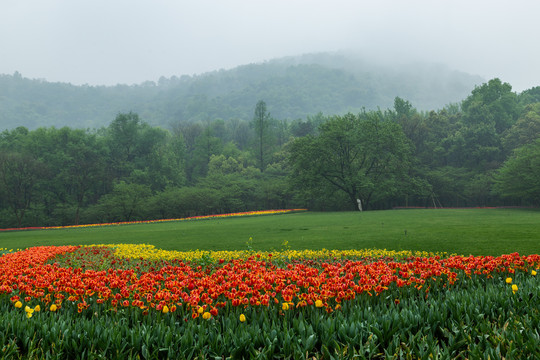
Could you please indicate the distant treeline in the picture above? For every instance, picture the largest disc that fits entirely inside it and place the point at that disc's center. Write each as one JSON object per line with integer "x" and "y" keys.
{"x": 484, "y": 151}
{"x": 293, "y": 88}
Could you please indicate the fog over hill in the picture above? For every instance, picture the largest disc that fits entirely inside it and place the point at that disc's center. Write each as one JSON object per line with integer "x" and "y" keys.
{"x": 292, "y": 87}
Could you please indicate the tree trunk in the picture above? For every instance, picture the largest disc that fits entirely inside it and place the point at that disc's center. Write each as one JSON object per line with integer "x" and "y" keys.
{"x": 354, "y": 201}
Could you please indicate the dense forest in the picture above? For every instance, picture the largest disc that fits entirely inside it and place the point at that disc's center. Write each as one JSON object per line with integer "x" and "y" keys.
{"x": 293, "y": 88}
{"x": 483, "y": 151}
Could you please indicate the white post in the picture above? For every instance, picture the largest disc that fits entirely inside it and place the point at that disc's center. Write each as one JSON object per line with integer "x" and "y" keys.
{"x": 359, "y": 204}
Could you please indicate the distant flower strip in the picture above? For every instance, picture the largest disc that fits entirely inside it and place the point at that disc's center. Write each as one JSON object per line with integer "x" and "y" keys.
{"x": 150, "y": 252}
{"x": 204, "y": 291}
{"x": 246, "y": 213}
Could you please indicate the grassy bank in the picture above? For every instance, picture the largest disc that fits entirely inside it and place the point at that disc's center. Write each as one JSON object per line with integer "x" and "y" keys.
{"x": 463, "y": 231}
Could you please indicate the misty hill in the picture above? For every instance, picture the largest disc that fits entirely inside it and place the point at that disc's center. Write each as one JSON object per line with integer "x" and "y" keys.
{"x": 292, "y": 87}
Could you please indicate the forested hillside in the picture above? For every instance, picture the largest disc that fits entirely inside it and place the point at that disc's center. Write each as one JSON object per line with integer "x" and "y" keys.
{"x": 293, "y": 88}
{"x": 483, "y": 151}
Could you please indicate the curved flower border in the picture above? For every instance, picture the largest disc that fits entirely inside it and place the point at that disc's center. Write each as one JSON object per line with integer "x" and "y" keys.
{"x": 245, "y": 213}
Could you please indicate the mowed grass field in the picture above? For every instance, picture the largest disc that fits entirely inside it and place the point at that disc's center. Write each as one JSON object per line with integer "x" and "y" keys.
{"x": 460, "y": 231}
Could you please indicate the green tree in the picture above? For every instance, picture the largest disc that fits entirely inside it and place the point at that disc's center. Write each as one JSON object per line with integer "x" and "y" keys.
{"x": 206, "y": 145}
{"x": 300, "y": 128}
{"x": 273, "y": 191}
{"x": 492, "y": 102}
{"x": 81, "y": 169}
{"x": 519, "y": 177}
{"x": 412, "y": 123}
{"x": 19, "y": 177}
{"x": 123, "y": 136}
{"x": 530, "y": 96}
{"x": 261, "y": 124}
{"x": 525, "y": 130}
{"x": 448, "y": 183}
{"x": 141, "y": 153}
{"x": 487, "y": 114}
{"x": 235, "y": 184}
{"x": 186, "y": 201}
{"x": 436, "y": 148}
{"x": 126, "y": 202}
{"x": 240, "y": 133}
{"x": 365, "y": 156}
{"x": 190, "y": 133}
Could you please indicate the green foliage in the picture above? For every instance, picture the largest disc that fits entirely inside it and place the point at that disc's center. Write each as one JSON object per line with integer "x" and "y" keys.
{"x": 261, "y": 124}
{"x": 488, "y": 112}
{"x": 525, "y": 130}
{"x": 366, "y": 156}
{"x": 493, "y": 101}
{"x": 205, "y": 146}
{"x": 125, "y": 202}
{"x": 182, "y": 202}
{"x": 519, "y": 177}
{"x": 19, "y": 179}
{"x": 398, "y": 157}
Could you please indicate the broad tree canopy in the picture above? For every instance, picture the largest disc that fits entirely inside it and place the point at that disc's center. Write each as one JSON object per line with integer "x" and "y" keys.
{"x": 366, "y": 156}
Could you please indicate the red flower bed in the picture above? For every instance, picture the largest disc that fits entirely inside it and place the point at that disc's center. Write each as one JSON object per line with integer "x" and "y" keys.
{"x": 165, "y": 286}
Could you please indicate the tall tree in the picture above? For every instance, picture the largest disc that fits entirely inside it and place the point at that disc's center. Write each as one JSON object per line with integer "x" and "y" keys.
{"x": 123, "y": 134}
{"x": 365, "y": 156}
{"x": 261, "y": 123}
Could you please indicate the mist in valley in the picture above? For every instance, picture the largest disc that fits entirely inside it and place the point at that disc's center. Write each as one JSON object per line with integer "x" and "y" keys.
{"x": 126, "y": 42}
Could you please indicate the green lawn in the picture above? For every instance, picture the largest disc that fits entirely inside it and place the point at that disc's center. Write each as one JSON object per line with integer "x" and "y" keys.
{"x": 463, "y": 231}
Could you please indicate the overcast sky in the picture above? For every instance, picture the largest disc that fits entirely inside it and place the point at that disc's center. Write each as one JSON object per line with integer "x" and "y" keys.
{"x": 105, "y": 42}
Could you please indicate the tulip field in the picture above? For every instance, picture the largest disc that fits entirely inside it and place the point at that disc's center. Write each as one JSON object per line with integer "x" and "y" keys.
{"x": 139, "y": 301}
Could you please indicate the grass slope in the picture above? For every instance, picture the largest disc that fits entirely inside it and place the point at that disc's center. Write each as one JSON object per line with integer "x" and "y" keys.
{"x": 462, "y": 231}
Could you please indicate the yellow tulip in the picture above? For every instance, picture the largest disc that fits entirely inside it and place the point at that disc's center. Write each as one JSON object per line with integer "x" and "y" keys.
{"x": 165, "y": 309}
{"x": 28, "y": 309}
{"x": 318, "y": 303}
{"x": 206, "y": 315}
{"x": 200, "y": 310}
{"x": 514, "y": 288}
{"x": 18, "y": 304}
{"x": 509, "y": 280}
{"x": 242, "y": 317}
{"x": 37, "y": 308}
{"x": 28, "y": 315}
{"x": 285, "y": 306}
{"x": 53, "y": 307}
{"x": 533, "y": 273}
